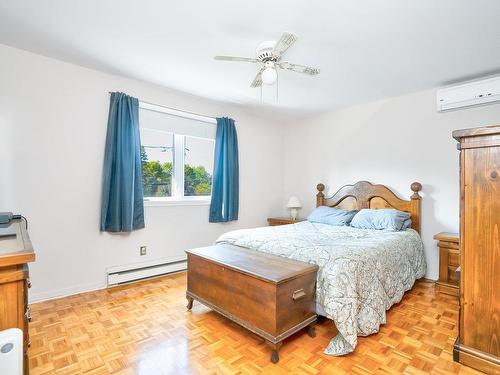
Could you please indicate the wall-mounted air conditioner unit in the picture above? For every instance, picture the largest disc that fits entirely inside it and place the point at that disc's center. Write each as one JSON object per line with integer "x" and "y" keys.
{"x": 469, "y": 94}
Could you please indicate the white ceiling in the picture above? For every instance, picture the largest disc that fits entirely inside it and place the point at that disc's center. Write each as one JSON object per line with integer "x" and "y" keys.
{"x": 366, "y": 50}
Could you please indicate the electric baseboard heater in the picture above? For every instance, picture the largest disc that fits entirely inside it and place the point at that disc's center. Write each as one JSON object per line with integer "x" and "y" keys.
{"x": 125, "y": 274}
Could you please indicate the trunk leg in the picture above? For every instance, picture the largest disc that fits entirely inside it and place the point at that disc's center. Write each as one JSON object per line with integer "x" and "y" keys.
{"x": 274, "y": 350}
{"x": 311, "y": 331}
{"x": 190, "y": 302}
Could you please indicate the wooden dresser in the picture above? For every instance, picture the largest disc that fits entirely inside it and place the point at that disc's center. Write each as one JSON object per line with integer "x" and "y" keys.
{"x": 478, "y": 344}
{"x": 449, "y": 260}
{"x": 15, "y": 254}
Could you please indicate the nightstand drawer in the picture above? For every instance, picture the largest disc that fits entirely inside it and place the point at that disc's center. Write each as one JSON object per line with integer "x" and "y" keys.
{"x": 453, "y": 258}
{"x": 273, "y": 221}
{"x": 452, "y": 275}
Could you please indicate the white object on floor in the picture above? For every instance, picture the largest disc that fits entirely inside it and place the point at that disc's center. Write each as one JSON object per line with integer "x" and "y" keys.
{"x": 11, "y": 352}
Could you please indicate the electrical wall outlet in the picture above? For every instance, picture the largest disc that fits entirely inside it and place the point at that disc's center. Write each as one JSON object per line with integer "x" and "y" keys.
{"x": 143, "y": 250}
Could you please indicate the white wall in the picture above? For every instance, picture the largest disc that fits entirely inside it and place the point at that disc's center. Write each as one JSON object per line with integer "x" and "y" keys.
{"x": 53, "y": 119}
{"x": 392, "y": 142}
{"x": 52, "y": 133}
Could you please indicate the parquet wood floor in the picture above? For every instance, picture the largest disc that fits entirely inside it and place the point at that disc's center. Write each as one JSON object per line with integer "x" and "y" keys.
{"x": 144, "y": 328}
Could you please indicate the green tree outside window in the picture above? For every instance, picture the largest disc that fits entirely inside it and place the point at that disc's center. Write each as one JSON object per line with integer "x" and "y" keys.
{"x": 157, "y": 178}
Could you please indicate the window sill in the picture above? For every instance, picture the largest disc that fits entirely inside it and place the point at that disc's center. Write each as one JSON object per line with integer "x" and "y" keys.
{"x": 205, "y": 201}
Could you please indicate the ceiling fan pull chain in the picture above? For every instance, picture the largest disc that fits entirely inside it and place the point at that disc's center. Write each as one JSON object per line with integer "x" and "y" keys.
{"x": 277, "y": 86}
{"x": 260, "y": 94}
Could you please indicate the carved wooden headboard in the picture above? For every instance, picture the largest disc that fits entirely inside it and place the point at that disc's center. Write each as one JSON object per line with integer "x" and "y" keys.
{"x": 365, "y": 195}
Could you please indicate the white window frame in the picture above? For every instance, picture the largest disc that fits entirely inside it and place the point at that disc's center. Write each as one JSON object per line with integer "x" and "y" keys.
{"x": 177, "y": 198}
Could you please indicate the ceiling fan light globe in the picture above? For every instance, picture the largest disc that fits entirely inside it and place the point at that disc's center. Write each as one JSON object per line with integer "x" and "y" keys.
{"x": 269, "y": 76}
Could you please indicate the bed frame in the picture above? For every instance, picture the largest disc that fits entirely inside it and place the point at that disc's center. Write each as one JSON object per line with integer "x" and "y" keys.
{"x": 366, "y": 195}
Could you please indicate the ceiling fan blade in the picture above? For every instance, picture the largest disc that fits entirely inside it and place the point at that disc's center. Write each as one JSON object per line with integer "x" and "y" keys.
{"x": 257, "y": 81}
{"x": 299, "y": 68}
{"x": 285, "y": 42}
{"x": 234, "y": 58}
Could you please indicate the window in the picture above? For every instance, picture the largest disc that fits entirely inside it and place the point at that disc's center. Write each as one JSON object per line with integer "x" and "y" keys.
{"x": 198, "y": 166}
{"x": 157, "y": 159}
{"x": 177, "y": 155}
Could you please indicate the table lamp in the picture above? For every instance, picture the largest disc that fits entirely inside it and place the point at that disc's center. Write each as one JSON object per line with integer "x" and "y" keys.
{"x": 294, "y": 205}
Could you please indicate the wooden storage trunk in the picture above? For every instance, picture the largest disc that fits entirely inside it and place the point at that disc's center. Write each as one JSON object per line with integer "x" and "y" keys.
{"x": 269, "y": 295}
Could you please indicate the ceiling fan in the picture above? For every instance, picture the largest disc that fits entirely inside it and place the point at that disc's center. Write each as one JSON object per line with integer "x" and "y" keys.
{"x": 268, "y": 56}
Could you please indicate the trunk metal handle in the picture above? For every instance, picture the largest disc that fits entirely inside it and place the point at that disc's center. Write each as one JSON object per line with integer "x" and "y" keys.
{"x": 298, "y": 294}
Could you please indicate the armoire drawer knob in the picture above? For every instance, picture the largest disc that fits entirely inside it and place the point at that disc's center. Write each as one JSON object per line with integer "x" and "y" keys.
{"x": 28, "y": 314}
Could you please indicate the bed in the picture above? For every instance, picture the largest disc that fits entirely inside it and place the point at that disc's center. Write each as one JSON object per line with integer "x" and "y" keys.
{"x": 362, "y": 272}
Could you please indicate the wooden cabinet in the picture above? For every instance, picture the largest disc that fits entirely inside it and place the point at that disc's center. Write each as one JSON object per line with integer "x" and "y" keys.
{"x": 15, "y": 253}
{"x": 478, "y": 344}
{"x": 449, "y": 260}
{"x": 273, "y": 221}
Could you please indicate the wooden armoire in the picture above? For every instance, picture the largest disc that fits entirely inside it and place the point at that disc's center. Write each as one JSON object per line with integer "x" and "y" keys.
{"x": 478, "y": 343}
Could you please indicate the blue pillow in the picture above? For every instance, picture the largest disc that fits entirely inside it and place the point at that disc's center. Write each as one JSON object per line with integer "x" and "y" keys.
{"x": 331, "y": 216}
{"x": 382, "y": 219}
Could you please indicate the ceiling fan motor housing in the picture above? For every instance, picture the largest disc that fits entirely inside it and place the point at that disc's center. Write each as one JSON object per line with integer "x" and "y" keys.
{"x": 265, "y": 50}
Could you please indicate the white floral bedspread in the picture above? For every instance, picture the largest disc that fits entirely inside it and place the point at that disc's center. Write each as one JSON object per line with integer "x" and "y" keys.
{"x": 362, "y": 273}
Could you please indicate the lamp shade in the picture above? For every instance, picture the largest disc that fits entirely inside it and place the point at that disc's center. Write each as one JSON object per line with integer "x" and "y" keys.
{"x": 294, "y": 202}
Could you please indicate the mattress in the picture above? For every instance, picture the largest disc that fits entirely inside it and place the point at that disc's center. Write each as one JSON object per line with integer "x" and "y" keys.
{"x": 362, "y": 272}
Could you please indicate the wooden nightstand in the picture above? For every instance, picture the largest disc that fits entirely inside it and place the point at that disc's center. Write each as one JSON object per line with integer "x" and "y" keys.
{"x": 449, "y": 261}
{"x": 273, "y": 221}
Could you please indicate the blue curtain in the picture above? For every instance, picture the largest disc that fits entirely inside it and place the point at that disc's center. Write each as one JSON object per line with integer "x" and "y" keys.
{"x": 122, "y": 200}
{"x": 225, "y": 187}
